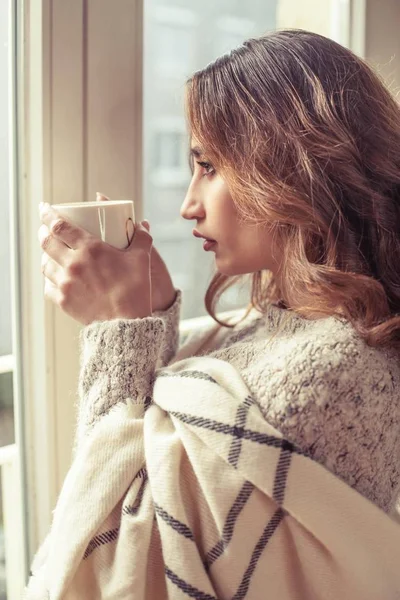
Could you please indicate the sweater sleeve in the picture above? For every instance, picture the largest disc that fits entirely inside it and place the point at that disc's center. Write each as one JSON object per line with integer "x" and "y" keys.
{"x": 118, "y": 361}
{"x": 171, "y": 319}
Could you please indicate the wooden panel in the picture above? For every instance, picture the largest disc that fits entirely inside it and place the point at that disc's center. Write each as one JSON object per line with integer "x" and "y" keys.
{"x": 114, "y": 99}
{"x": 67, "y": 100}
{"x": 312, "y": 15}
{"x": 67, "y": 178}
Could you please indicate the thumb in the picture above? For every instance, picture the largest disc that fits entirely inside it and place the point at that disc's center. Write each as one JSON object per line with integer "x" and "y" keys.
{"x": 101, "y": 197}
{"x": 146, "y": 224}
{"x": 141, "y": 239}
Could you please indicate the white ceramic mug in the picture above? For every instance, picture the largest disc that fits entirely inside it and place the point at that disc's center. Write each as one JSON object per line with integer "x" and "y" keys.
{"x": 113, "y": 221}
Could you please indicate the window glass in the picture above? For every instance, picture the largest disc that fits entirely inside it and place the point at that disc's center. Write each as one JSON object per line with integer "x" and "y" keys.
{"x": 5, "y": 307}
{"x": 6, "y": 409}
{"x": 6, "y": 361}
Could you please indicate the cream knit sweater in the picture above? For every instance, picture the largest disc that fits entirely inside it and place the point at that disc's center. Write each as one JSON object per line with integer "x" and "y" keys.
{"x": 319, "y": 384}
{"x": 331, "y": 397}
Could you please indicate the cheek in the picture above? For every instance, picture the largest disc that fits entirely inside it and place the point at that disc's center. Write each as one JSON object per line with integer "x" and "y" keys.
{"x": 235, "y": 256}
{"x": 244, "y": 252}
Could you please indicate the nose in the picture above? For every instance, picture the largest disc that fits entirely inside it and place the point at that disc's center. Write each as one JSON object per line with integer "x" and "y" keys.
{"x": 192, "y": 207}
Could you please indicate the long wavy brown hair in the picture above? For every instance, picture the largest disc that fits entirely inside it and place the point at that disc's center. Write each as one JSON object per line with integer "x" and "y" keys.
{"x": 307, "y": 138}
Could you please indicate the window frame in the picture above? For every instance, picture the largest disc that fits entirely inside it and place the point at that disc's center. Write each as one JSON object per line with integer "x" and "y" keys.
{"x": 64, "y": 118}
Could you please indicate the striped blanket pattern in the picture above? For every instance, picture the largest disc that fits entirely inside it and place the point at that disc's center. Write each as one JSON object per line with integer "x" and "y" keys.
{"x": 196, "y": 496}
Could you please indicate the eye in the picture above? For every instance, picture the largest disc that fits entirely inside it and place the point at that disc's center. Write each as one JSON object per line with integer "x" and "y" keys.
{"x": 209, "y": 169}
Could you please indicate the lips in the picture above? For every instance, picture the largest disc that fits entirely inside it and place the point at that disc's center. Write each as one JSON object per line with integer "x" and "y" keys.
{"x": 208, "y": 245}
{"x": 199, "y": 235}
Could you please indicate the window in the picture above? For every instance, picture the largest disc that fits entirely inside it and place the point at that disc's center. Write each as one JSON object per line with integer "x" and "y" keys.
{"x": 231, "y": 31}
{"x": 6, "y": 358}
{"x": 169, "y": 150}
{"x": 173, "y": 53}
{"x": 11, "y": 552}
{"x": 5, "y": 295}
{"x": 178, "y": 42}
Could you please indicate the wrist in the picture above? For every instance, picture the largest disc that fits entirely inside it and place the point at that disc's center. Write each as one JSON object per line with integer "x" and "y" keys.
{"x": 139, "y": 311}
{"x": 167, "y": 302}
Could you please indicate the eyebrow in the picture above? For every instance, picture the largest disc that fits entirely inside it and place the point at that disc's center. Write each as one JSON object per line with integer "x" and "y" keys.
{"x": 194, "y": 152}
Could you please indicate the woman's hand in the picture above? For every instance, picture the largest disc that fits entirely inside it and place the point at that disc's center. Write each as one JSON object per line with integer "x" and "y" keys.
{"x": 91, "y": 280}
{"x": 163, "y": 292}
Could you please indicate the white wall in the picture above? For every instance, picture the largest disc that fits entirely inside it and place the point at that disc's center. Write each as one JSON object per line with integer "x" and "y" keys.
{"x": 382, "y": 39}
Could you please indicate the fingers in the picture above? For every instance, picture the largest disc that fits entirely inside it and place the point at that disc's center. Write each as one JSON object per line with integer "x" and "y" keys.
{"x": 67, "y": 234}
{"x": 51, "y": 270}
{"x": 53, "y": 246}
{"x": 142, "y": 239}
{"x": 52, "y": 292}
{"x": 146, "y": 224}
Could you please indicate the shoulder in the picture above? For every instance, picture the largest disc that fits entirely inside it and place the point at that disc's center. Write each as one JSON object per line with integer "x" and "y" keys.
{"x": 315, "y": 367}
{"x": 336, "y": 397}
{"x": 333, "y": 352}
{"x": 328, "y": 358}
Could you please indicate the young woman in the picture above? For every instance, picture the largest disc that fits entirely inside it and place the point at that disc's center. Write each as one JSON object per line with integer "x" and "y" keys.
{"x": 261, "y": 458}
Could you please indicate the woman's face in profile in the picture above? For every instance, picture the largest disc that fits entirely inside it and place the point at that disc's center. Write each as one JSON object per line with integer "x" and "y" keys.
{"x": 239, "y": 247}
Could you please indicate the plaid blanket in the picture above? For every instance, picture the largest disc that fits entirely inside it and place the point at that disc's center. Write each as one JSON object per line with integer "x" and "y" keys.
{"x": 197, "y": 496}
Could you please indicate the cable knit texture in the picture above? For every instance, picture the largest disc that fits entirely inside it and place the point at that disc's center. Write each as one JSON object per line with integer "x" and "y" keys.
{"x": 116, "y": 366}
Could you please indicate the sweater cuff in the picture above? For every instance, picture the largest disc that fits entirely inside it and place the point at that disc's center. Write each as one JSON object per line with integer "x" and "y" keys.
{"x": 171, "y": 319}
{"x": 118, "y": 360}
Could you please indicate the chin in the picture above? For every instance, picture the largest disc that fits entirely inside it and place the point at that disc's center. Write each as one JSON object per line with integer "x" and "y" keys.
{"x": 231, "y": 269}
